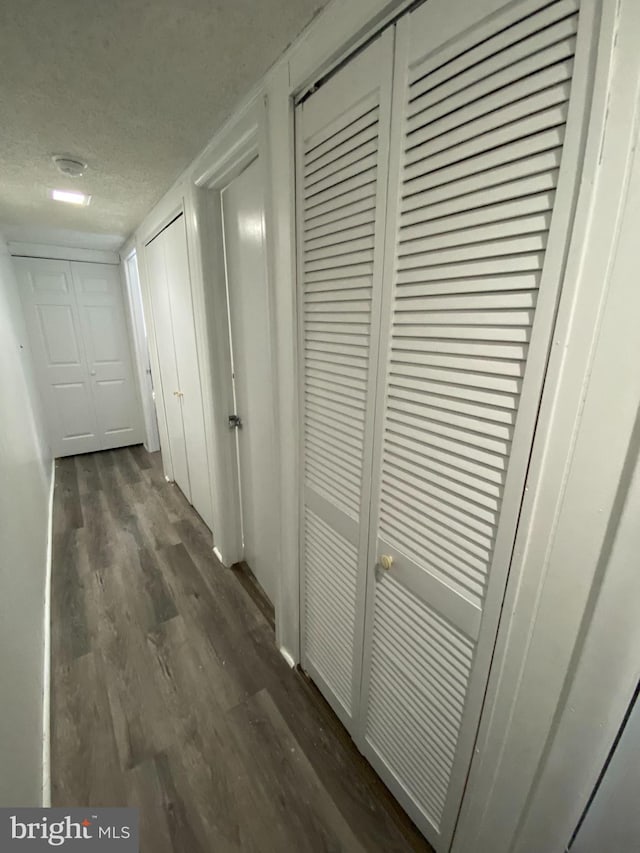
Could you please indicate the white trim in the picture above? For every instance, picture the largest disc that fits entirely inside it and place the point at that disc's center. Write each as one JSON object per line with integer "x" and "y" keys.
{"x": 221, "y": 171}
{"x": 570, "y": 501}
{"x": 142, "y": 360}
{"x": 216, "y": 551}
{"x": 288, "y": 657}
{"x": 281, "y": 246}
{"x": 46, "y": 670}
{"x": 323, "y": 45}
{"x": 226, "y": 157}
{"x": 161, "y": 415}
{"x": 64, "y": 253}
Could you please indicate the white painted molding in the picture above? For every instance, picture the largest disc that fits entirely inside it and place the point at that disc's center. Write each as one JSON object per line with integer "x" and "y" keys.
{"x": 281, "y": 243}
{"x": 324, "y": 44}
{"x": 64, "y": 253}
{"x": 139, "y": 344}
{"x": 170, "y": 205}
{"x": 231, "y": 150}
{"x": 288, "y": 657}
{"x": 228, "y": 154}
{"x": 46, "y": 669}
{"x": 163, "y": 430}
{"x": 591, "y": 396}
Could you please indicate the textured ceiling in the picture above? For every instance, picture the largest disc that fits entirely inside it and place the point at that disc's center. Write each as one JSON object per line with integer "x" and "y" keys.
{"x": 134, "y": 87}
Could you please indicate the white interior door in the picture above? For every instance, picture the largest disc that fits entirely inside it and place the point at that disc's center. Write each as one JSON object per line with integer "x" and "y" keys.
{"x": 243, "y": 219}
{"x": 79, "y": 337}
{"x": 100, "y": 302}
{"x": 343, "y": 147}
{"x": 163, "y": 324}
{"x": 174, "y": 242}
{"x": 477, "y": 230}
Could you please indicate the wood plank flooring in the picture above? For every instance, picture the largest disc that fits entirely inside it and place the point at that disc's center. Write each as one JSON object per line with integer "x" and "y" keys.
{"x": 168, "y": 692}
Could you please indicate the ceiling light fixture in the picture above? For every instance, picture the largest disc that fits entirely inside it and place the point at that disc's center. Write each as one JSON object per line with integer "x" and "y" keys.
{"x": 70, "y": 166}
{"x": 70, "y": 197}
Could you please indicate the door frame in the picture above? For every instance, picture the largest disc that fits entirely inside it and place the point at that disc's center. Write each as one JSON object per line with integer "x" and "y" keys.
{"x": 141, "y": 348}
{"x": 244, "y": 142}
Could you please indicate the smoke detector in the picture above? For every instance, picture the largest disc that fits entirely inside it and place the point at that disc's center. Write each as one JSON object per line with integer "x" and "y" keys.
{"x": 69, "y": 166}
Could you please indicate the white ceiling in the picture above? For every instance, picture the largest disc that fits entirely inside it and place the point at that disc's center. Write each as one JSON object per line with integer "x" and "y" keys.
{"x": 134, "y": 87}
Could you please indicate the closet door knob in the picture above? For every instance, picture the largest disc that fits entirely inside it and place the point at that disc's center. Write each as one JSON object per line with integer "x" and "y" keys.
{"x": 382, "y": 566}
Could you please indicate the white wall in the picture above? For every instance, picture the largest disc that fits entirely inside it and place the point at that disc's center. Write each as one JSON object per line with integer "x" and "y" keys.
{"x": 25, "y": 480}
{"x": 612, "y": 821}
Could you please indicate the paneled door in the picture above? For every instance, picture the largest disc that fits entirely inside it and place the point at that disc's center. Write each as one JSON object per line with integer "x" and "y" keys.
{"x": 189, "y": 397}
{"x": 443, "y": 350}
{"x": 79, "y": 337}
{"x": 246, "y": 267}
{"x": 105, "y": 333}
{"x": 163, "y": 323}
{"x": 169, "y": 280}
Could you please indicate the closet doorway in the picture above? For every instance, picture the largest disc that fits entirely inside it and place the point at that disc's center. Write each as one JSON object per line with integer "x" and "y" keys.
{"x": 242, "y": 208}
{"x": 434, "y": 211}
{"x": 168, "y": 270}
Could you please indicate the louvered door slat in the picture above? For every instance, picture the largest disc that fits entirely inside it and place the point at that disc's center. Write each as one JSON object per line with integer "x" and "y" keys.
{"x": 342, "y": 167}
{"x": 477, "y": 144}
{"x": 493, "y": 184}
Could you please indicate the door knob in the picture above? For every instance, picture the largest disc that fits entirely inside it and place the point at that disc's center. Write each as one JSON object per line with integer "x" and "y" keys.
{"x": 178, "y": 394}
{"x": 93, "y": 373}
{"x": 235, "y": 422}
{"x": 383, "y": 565}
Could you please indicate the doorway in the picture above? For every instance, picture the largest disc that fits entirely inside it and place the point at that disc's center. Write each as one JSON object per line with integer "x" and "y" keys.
{"x": 141, "y": 347}
{"x": 242, "y": 210}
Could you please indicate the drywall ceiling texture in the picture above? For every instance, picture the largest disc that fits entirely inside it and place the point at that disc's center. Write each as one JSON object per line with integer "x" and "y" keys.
{"x": 134, "y": 87}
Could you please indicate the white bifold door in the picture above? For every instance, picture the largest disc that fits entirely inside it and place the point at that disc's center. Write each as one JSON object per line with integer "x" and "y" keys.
{"x": 436, "y": 174}
{"x": 80, "y": 341}
{"x": 172, "y": 306}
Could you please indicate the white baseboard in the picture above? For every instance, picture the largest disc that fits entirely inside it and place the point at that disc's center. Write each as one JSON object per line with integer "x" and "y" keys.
{"x": 46, "y": 680}
{"x": 288, "y": 657}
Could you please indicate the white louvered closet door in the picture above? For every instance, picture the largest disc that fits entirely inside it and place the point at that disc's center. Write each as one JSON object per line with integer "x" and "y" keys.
{"x": 479, "y": 208}
{"x": 342, "y": 160}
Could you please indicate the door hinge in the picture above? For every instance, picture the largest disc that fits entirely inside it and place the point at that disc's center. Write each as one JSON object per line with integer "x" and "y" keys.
{"x": 235, "y": 422}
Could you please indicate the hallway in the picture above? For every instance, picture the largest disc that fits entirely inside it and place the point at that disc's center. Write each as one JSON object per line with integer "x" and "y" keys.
{"x": 168, "y": 692}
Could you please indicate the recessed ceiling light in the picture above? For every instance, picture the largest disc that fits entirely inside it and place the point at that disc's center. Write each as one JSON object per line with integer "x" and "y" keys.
{"x": 73, "y": 167}
{"x": 70, "y": 197}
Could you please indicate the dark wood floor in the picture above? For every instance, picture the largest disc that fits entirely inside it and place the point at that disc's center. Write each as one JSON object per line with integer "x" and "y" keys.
{"x": 168, "y": 693}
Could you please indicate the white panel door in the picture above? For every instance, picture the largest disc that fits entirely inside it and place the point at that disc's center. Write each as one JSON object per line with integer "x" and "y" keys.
{"x": 342, "y": 160}
{"x": 189, "y": 397}
{"x": 74, "y": 351}
{"x": 243, "y": 218}
{"x": 477, "y": 230}
{"x": 100, "y": 302}
{"x": 163, "y": 325}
